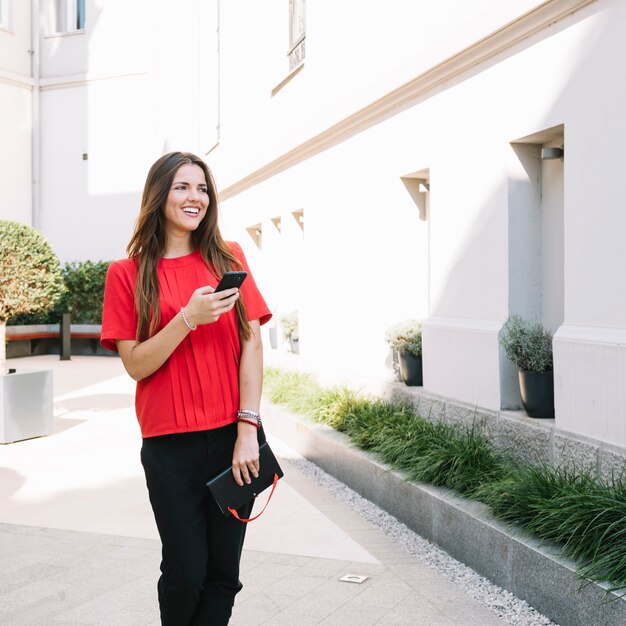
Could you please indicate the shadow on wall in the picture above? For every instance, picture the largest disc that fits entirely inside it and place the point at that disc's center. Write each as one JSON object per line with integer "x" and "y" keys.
{"x": 453, "y": 284}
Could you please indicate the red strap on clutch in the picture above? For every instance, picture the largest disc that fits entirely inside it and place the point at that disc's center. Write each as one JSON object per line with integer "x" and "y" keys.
{"x": 251, "y": 519}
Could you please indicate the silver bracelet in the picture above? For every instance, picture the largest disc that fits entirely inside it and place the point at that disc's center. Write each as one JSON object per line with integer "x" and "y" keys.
{"x": 189, "y": 326}
{"x": 246, "y": 415}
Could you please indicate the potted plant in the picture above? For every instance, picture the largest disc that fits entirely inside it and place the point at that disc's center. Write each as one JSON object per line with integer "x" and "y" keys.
{"x": 289, "y": 324}
{"x": 405, "y": 338}
{"x": 31, "y": 281}
{"x": 529, "y": 346}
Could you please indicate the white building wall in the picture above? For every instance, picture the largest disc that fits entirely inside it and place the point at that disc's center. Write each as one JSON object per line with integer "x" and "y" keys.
{"x": 115, "y": 96}
{"x": 486, "y": 260}
{"x": 16, "y": 114}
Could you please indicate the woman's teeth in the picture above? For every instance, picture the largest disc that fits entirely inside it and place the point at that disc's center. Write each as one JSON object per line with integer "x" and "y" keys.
{"x": 191, "y": 211}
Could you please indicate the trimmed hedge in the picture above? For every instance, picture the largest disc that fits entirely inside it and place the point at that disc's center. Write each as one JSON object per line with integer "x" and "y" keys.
{"x": 30, "y": 273}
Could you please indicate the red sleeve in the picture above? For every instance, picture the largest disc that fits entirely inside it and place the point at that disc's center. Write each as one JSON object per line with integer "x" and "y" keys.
{"x": 256, "y": 307}
{"x": 119, "y": 319}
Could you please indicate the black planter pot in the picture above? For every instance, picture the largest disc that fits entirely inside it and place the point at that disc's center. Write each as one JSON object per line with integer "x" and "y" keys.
{"x": 537, "y": 391}
{"x": 410, "y": 369}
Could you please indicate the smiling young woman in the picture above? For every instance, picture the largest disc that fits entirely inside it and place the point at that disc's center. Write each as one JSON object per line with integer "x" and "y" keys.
{"x": 197, "y": 359}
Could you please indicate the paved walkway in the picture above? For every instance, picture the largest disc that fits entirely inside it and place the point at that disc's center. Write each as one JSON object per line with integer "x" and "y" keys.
{"x": 78, "y": 545}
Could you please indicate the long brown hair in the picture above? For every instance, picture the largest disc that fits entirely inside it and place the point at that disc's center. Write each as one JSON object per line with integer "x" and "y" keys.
{"x": 147, "y": 245}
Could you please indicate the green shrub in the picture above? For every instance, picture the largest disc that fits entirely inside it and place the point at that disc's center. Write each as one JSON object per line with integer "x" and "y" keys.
{"x": 84, "y": 283}
{"x": 406, "y": 336}
{"x": 85, "y": 290}
{"x": 30, "y": 275}
{"x": 527, "y": 344}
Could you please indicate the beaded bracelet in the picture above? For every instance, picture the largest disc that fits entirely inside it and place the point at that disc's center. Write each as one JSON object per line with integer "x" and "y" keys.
{"x": 189, "y": 326}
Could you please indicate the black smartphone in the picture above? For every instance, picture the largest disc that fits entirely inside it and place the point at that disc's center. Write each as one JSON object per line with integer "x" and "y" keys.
{"x": 231, "y": 279}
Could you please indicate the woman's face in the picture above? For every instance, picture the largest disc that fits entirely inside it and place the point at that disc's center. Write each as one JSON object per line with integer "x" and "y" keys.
{"x": 187, "y": 201}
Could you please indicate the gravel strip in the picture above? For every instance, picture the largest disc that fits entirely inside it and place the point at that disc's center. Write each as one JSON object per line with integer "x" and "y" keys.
{"x": 504, "y": 604}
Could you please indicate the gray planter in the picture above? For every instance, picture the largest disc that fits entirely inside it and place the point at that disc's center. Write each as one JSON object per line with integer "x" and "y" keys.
{"x": 25, "y": 405}
{"x": 294, "y": 346}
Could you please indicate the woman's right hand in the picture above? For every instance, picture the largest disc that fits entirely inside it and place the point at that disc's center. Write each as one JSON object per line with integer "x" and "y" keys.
{"x": 205, "y": 306}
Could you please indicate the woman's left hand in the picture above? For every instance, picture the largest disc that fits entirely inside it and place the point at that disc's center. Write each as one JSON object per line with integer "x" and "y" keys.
{"x": 245, "y": 455}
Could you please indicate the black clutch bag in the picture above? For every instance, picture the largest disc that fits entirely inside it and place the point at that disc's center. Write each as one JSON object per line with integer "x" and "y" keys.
{"x": 230, "y": 496}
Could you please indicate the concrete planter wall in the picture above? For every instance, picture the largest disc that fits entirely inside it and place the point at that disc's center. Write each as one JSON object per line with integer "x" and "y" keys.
{"x": 25, "y": 405}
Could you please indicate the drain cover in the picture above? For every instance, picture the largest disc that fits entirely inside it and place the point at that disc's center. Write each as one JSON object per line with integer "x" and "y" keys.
{"x": 353, "y": 578}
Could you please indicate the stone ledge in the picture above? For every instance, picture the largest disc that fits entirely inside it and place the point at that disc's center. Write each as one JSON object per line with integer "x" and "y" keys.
{"x": 532, "y": 571}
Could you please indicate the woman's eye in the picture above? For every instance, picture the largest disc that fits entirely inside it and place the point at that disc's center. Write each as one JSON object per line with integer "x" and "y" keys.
{"x": 180, "y": 187}
{"x": 203, "y": 190}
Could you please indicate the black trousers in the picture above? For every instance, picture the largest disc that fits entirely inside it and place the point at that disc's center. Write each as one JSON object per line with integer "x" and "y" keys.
{"x": 201, "y": 547}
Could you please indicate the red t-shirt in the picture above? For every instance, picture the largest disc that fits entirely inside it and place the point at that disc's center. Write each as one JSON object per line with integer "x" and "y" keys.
{"x": 197, "y": 388}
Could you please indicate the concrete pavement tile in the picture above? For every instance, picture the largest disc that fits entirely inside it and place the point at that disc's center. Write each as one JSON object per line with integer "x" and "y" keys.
{"x": 384, "y": 591}
{"x": 353, "y": 614}
{"x": 280, "y": 599}
{"x": 455, "y": 605}
{"x": 27, "y": 595}
{"x": 414, "y": 573}
{"x": 289, "y": 559}
{"x": 263, "y": 577}
{"x": 326, "y": 599}
{"x": 370, "y": 569}
{"x": 412, "y": 610}
{"x": 113, "y": 608}
{"x": 14, "y": 578}
{"x": 256, "y": 610}
{"x": 288, "y": 619}
{"x": 41, "y": 611}
{"x": 326, "y": 564}
{"x": 299, "y": 585}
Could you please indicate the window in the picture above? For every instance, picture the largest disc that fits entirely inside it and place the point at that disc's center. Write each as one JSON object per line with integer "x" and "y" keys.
{"x": 297, "y": 32}
{"x": 69, "y": 15}
{"x": 4, "y": 13}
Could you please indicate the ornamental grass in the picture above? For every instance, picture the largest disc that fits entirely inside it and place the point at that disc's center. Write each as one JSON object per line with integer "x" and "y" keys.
{"x": 586, "y": 516}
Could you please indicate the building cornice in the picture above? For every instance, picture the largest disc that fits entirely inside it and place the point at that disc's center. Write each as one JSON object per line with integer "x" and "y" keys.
{"x": 481, "y": 51}
{"x": 16, "y": 79}
{"x": 79, "y": 80}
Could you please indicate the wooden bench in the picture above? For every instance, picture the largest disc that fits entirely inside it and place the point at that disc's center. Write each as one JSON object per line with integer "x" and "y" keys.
{"x": 38, "y": 332}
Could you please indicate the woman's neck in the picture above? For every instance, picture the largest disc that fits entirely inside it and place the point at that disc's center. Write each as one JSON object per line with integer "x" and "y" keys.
{"x": 176, "y": 247}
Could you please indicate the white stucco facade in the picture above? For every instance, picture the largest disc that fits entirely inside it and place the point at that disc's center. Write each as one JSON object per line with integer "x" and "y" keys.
{"x": 326, "y": 162}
